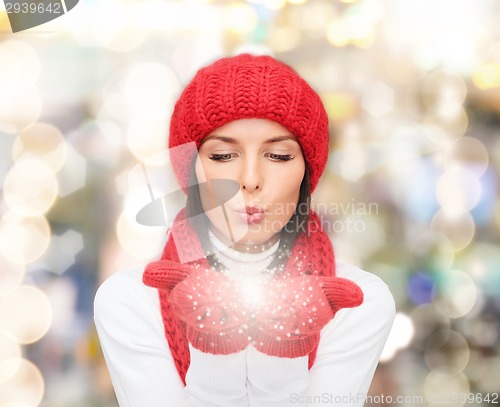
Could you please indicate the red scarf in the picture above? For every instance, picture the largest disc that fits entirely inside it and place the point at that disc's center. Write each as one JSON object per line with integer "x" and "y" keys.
{"x": 208, "y": 309}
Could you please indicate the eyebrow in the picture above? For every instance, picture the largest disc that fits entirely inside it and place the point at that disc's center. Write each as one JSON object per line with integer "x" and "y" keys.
{"x": 230, "y": 140}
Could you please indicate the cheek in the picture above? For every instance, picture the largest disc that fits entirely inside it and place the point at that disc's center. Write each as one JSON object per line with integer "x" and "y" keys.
{"x": 288, "y": 188}
{"x": 294, "y": 180}
{"x": 211, "y": 198}
{"x": 292, "y": 190}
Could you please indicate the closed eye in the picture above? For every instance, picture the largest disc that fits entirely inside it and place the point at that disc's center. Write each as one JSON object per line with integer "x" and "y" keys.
{"x": 221, "y": 157}
{"x": 280, "y": 157}
{"x": 273, "y": 157}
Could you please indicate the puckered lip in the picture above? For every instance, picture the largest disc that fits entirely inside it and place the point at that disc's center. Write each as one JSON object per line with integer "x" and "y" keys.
{"x": 251, "y": 210}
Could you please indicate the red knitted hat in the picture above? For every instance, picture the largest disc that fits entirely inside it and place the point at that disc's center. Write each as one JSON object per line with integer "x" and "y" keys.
{"x": 248, "y": 86}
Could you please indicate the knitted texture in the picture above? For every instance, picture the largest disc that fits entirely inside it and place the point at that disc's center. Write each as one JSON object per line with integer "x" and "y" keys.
{"x": 219, "y": 315}
{"x": 247, "y": 86}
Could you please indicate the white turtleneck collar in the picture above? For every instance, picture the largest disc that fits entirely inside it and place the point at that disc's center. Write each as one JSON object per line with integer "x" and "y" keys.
{"x": 241, "y": 264}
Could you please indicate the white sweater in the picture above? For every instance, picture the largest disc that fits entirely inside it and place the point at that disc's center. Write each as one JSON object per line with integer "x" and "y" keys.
{"x": 130, "y": 328}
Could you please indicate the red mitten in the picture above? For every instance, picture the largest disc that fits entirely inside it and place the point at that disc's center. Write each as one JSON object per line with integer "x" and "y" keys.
{"x": 280, "y": 317}
{"x": 341, "y": 292}
{"x": 289, "y": 322}
{"x": 210, "y": 304}
{"x": 297, "y": 308}
{"x": 165, "y": 274}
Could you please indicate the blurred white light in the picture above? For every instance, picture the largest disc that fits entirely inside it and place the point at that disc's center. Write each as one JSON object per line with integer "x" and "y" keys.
{"x": 23, "y": 110}
{"x": 149, "y": 85}
{"x": 372, "y": 10}
{"x": 23, "y": 240}
{"x": 378, "y": 99}
{"x": 274, "y": 4}
{"x": 19, "y": 72}
{"x": 9, "y": 71}
{"x": 459, "y": 229}
{"x": 256, "y": 49}
{"x": 443, "y": 93}
{"x": 439, "y": 33}
{"x": 30, "y": 187}
{"x": 116, "y": 27}
{"x": 469, "y": 153}
{"x": 72, "y": 175}
{"x": 79, "y": 24}
{"x": 337, "y": 33}
{"x": 26, "y": 313}
{"x": 457, "y": 293}
{"x": 147, "y": 134}
{"x": 62, "y": 294}
{"x": 142, "y": 242}
{"x": 11, "y": 275}
{"x": 352, "y": 167}
{"x": 487, "y": 76}
{"x": 29, "y": 64}
{"x": 42, "y": 141}
{"x": 284, "y": 39}
{"x": 252, "y": 291}
{"x": 313, "y": 17}
{"x": 458, "y": 190}
{"x": 356, "y": 26}
{"x": 352, "y": 163}
{"x": 191, "y": 53}
{"x": 400, "y": 336}
{"x": 240, "y": 18}
{"x": 172, "y": 17}
{"x": 114, "y": 107}
{"x": 10, "y": 352}
{"x": 445, "y": 384}
{"x": 437, "y": 134}
{"x": 25, "y": 388}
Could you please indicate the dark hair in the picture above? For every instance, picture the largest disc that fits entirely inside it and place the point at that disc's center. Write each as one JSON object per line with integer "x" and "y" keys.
{"x": 297, "y": 224}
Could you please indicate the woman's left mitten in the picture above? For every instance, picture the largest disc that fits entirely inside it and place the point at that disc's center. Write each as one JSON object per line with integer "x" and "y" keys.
{"x": 296, "y": 310}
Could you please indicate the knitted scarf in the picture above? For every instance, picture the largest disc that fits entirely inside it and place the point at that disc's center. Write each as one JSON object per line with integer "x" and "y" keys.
{"x": 204, "y": 307}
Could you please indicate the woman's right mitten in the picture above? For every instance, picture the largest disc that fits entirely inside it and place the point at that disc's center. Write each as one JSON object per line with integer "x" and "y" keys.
{"x": 165, "y": 274}
{"x": 210, "y": 305}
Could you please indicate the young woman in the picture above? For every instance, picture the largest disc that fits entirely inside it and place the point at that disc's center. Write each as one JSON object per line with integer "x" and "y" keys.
{"x": 247, "y": 305}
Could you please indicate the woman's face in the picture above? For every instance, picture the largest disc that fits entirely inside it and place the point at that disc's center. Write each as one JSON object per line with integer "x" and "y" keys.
{"x": 266, "y": 161}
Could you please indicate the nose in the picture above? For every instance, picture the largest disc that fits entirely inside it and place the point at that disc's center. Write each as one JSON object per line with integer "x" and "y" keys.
{"x": 251, "y": 175}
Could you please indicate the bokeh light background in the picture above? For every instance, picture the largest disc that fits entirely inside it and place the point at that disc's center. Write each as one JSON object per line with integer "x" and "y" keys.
{"x": 410, "y": 193}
